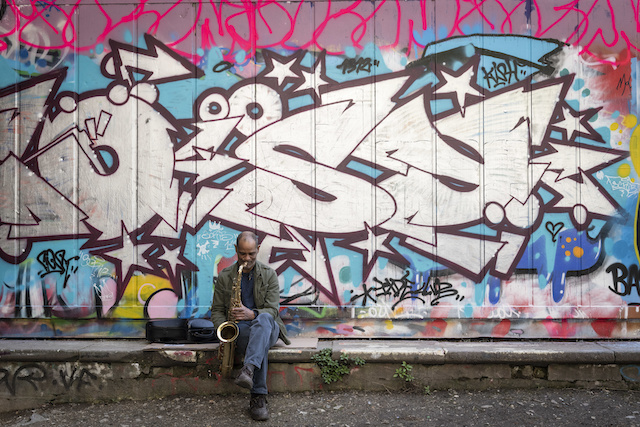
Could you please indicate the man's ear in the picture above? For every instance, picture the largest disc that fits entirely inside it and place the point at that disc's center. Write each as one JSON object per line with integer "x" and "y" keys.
{"x": 236, "y": 247}
{"x": 258, "y": 249}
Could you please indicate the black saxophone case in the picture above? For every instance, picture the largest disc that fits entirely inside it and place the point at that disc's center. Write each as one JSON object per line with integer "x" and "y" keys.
{"x": 201, "y": 330}
{"x": 166, "y": 330}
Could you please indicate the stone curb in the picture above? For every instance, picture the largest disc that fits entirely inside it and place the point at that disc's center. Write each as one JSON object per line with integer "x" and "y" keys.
{"x": 373, "y": 351}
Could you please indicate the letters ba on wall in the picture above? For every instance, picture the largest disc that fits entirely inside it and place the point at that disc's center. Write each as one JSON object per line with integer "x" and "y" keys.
{"x": 401, "y": 178}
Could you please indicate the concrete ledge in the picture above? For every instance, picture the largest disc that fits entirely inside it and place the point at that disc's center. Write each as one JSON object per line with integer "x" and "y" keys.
{"x": 529, "y": 353}
{"x": 70, "y": 350}
{"x": 373, "y": 351}
{"x": 623, "y": 351}
{"x": 34, "y": 372}
{"x": 391, "y": 351}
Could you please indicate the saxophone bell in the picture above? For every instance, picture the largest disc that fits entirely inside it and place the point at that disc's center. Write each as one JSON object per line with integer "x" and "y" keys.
{"x": 228, "y": 331}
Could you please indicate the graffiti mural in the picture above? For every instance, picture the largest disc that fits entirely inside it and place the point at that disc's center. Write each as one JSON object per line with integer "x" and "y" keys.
{"x": 412, "y": 169}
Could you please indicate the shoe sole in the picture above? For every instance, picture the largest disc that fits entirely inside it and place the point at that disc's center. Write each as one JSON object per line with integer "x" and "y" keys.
{"x": 258, "y": 417}
{"x": 244, "y": 384}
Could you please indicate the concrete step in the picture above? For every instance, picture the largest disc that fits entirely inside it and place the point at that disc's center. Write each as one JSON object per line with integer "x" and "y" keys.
{"x": 33, "y": 372}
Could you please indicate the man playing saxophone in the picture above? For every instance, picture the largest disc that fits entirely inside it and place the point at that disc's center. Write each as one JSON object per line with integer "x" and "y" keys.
{"x": 257, "y": 318}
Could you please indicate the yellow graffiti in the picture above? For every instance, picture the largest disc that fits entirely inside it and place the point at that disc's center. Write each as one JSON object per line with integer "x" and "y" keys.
{"x": 624, "y": 170}
{"x": 634, "y": 153}
{"x": 136, "y": 294}
{"x": 578, "y": 252}
{"x": 630, "y": 121}
{"x": 388, "y": 324}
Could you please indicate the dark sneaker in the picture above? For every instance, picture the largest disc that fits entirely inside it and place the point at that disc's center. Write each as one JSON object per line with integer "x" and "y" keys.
{"x": 258, "y": 407}
{"x": 245, "y": 379}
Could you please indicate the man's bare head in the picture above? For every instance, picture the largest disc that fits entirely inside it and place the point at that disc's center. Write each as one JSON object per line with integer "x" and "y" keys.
{"x": 247, "y": 249}
{"x": 247, "y": 235}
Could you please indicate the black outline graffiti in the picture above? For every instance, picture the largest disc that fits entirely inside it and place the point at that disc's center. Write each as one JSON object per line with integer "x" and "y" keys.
{"x": 403, "y": 289}
{"x": 56, "y": 262}
{"x": 124, "y": 71}
{"x": 84, "y": 378}
{"x": 624, "y": 279}
{"x": 222, "y": 66}
{"x": 30, "y": 378}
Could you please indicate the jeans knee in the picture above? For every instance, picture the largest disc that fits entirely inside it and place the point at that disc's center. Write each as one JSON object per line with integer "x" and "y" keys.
{"x": 263, "y": 318}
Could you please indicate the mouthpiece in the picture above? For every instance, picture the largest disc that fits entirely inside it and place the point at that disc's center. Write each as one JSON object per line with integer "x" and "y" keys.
{"x": 242, "y": 267}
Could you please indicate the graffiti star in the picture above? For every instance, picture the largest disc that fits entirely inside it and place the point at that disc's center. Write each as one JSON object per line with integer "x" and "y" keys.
{"x": 295, "y": 250}
{"x": 127, "y": 258}
{"x": 280, "y": 67}
{"x": 461, "y": 83}
{"x": 313, "y": 79}
{"x": 372, "y": 243}
{"x": 173, "y": 260}
{"x": 573, "y": 124}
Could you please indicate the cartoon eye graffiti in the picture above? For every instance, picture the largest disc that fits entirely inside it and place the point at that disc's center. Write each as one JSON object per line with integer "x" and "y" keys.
{"x": 255, "y": 111}
{"x": 212, "y": 106}
{"x": 258, "y": 103}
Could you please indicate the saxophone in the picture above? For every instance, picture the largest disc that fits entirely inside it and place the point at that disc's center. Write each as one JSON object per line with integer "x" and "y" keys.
{"x": 228, "y": 331}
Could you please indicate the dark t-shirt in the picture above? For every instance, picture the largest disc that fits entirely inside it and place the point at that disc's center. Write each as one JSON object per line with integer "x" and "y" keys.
{"x": 246, "y": 290}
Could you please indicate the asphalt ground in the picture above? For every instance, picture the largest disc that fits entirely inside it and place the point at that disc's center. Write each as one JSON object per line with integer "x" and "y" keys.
{"x": 538, "y": 407}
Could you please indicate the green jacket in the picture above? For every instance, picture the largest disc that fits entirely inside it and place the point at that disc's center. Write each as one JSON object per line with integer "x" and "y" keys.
{"x": 266, "y": 294}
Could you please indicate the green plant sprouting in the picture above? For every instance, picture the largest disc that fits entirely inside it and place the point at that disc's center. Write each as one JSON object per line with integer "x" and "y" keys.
{"x": 333, "y": 370}
{"x": 404, "y": 372}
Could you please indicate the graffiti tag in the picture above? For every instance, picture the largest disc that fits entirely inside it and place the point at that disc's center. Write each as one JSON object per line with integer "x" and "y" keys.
{"x": 501, "y": 74}
{"x": 350, "y": 65}
{"x": 624, "y": 83}
{"x": 403, "y": 289}
{"x": 30, "y": 374}
{"x": 81, "y": 378}
{"x": 624, "y": 279}
{"x": 55, "y": 262}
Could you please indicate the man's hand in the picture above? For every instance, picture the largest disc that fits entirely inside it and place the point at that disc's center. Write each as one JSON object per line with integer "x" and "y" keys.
{"x": 242, "y": 313}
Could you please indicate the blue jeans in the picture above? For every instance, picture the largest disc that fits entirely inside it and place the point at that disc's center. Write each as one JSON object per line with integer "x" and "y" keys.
{"x": 256, "y": 337}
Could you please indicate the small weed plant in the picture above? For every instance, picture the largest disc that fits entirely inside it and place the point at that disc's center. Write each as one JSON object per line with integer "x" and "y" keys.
{"x": 404, "y": 372}
{"x": 333, "y": 370}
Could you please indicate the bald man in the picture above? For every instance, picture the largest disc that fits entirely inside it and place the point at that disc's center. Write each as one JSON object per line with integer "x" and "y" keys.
{"x": 257, "y": 318}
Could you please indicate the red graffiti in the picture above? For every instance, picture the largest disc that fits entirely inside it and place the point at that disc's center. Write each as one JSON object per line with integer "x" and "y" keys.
{"x": 435, "y": 328}
{"x": 604, "y": 327}
{"x": 298, "y": 371}
{"x": 560, "y": 329}
{"x": 242, "y": 28}
{"x": 188, "y": 379}
{"x": 502, "y": 328}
